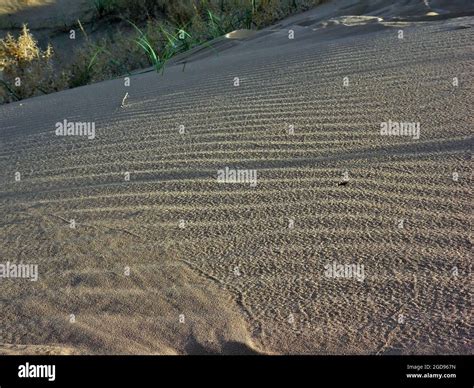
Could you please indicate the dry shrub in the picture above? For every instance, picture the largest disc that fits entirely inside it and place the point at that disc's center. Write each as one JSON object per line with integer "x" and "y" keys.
{"x": 26, "y": 70}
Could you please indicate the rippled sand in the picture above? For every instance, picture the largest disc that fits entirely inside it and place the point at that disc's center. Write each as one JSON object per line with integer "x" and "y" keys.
{"x": 172, "y": 261}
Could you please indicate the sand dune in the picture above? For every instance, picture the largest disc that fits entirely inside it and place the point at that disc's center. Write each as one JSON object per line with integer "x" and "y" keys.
{"x": 245, "y": 271}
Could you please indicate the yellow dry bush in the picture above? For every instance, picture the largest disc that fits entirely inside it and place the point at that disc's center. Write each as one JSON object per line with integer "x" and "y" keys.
{"x": 25, "y": 69}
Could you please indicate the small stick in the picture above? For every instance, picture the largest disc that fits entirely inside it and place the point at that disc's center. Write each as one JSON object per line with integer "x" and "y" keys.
{"x": 124, "y": 99}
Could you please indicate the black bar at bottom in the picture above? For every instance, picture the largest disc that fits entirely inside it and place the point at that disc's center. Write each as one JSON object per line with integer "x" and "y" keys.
{"x": 314, "y": 371}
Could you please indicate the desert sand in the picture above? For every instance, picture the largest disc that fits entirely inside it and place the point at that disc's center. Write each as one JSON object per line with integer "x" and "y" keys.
{"x": 170, "y": 261}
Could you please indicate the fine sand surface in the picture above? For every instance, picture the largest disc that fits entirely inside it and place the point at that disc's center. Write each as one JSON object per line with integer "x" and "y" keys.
{"x": 240, "y": 276}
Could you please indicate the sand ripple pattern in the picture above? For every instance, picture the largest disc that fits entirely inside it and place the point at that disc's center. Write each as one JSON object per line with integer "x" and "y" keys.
{"x": 242, "y": 278}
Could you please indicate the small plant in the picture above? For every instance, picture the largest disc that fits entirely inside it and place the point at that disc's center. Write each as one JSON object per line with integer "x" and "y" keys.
{"x": 215, "y": 25}
{"x": 25, "y": 69}
{"x": 186, "y": 41}
{"x": 144, "y": 43}
{"x": 22, "y": 50}
{"x": 171, "y": 41}
{"x": 83, "y": 74}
